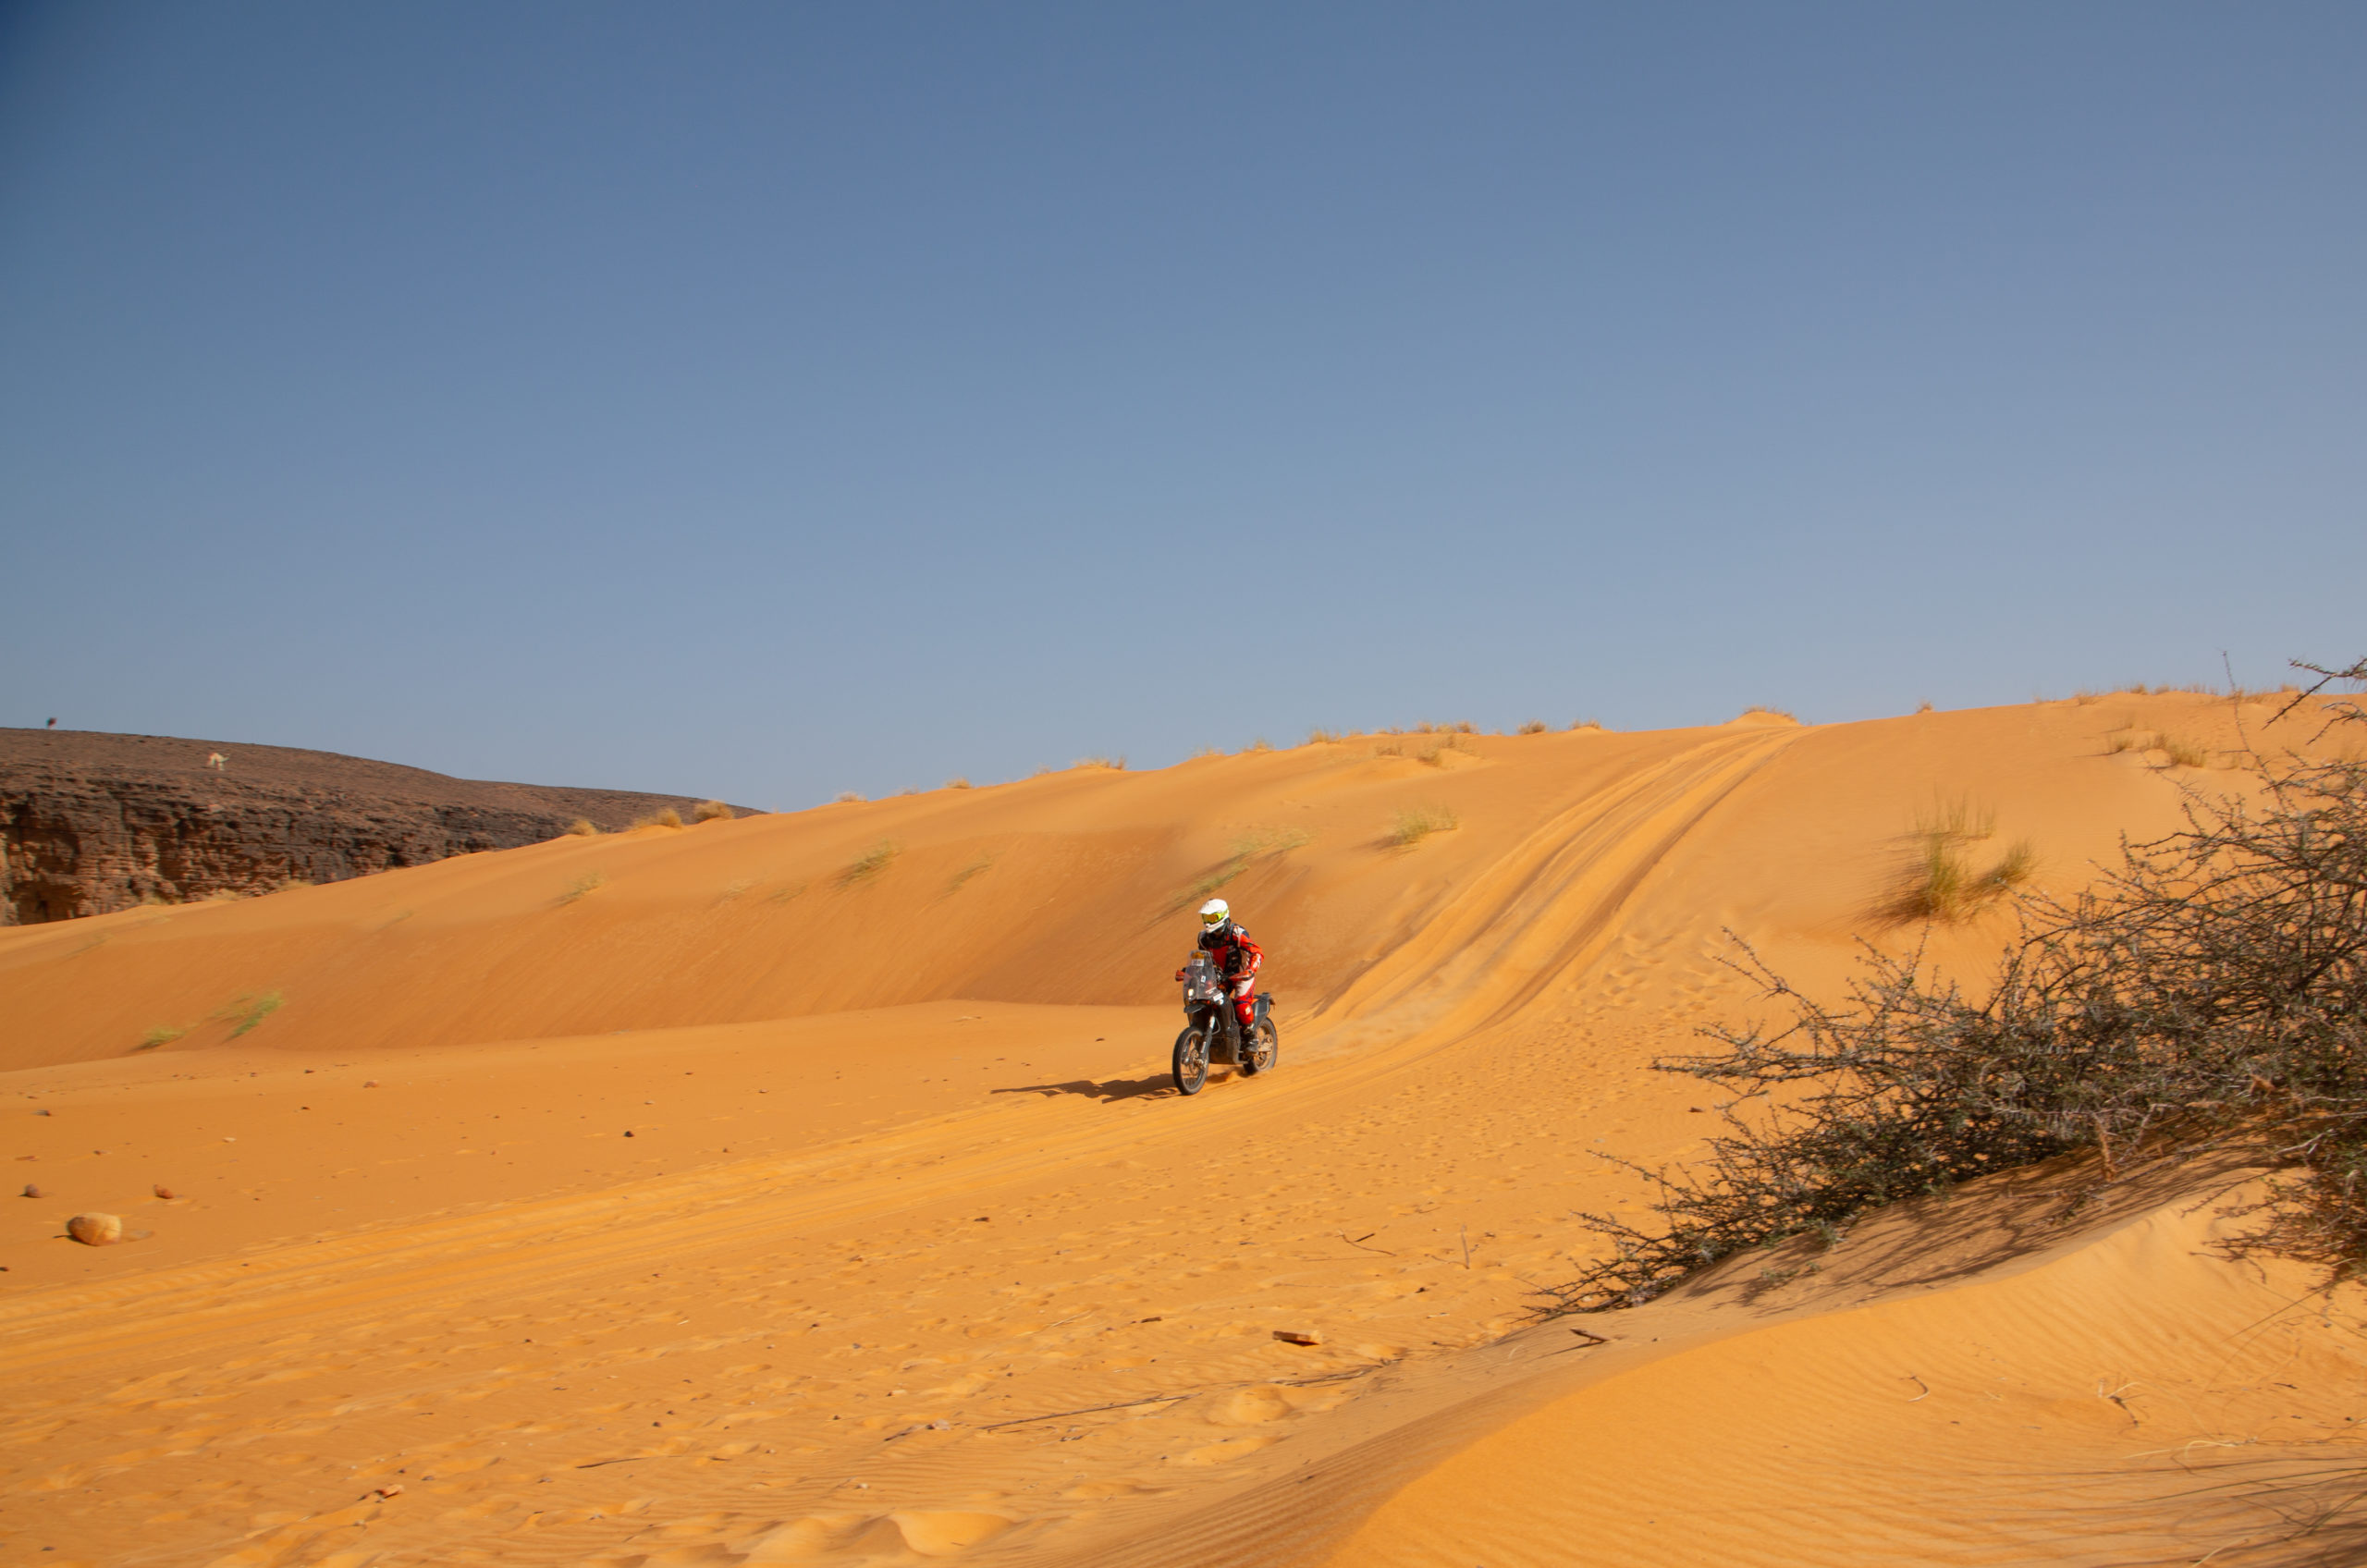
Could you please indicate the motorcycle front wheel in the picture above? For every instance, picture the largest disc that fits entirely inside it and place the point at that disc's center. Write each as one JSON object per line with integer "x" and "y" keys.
{"x": 1191, "y": 1060}
{"x": 1265, "y": 1048}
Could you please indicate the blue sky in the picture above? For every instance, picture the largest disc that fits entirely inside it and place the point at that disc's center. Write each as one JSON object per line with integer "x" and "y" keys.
{"x": 772, "y": 400}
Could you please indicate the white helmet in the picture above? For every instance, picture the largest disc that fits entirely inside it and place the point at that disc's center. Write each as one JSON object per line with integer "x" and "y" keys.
{"x": 1213, "y": 914}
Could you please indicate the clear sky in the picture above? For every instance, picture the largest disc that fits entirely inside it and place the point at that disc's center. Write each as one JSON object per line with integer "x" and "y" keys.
{"x": 775, "y": 400}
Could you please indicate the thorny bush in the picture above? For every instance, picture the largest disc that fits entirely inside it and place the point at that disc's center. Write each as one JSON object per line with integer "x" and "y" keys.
{"x": 2215, "y": 986}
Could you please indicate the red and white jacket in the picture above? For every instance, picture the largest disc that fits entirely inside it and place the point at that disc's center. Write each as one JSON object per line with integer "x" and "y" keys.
{"x": 1236, "y": 956}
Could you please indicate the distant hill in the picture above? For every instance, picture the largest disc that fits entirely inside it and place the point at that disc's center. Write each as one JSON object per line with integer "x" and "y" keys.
{"x": 92, "y": 822}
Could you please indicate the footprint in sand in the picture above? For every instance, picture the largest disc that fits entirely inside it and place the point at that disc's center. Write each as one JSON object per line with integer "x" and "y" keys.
{"x": 1223, "y": 1453}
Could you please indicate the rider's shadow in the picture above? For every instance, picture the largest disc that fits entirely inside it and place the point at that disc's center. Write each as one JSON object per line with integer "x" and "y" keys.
{"x": 1107, "y": 1089}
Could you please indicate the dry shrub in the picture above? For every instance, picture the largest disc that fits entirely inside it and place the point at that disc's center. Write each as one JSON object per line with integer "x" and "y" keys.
{"x": 846, "y": 797}
{"x": 957, "y": 782}
{"x": 1531, "y": 727}
{"x": 581, "y": 885}
{"x": 1453, "y": 742}
{"x": 1115, "y": 764}
{"x": 1261, "y": 744}
{"x": 1786, "y": 715}
{"x": 668, "y": 817}
{"x": 2211, "y": 990}
{"x": 2131, "y": 740}
{"x": 582, "y": 828}
{"x": 2184, "y": 752}
{"x": 871, "y": 863}
{"x": 1923, "y": 706}
{"x": 1318, "y": 735}
{"x": 1593, "y": 724}
{"x": 1418, "y": 823}
{"x": 712, "y": 811}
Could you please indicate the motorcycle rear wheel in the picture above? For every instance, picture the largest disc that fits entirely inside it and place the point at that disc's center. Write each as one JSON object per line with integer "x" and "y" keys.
{"x": 1264, "y": 1048}
{"x": 1191, "y": 1060}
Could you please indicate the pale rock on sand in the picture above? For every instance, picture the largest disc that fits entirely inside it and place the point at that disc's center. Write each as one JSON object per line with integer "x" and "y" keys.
{"x": 95, "y": 1230}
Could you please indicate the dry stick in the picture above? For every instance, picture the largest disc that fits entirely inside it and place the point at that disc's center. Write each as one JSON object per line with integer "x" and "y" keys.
{"x": 1360, "y": 1241}
{"x": 1088, "y": 1410}
{"x": 635, "y": 1460}
{"x": 1465, "y": 1231}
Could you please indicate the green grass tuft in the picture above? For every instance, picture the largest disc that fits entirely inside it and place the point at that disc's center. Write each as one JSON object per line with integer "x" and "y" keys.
{"x": 871, "y": 863}
{"x": 244, "y": 1012}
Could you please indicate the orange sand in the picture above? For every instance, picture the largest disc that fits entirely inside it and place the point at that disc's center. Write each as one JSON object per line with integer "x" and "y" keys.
{"x": 912, "y": 1253}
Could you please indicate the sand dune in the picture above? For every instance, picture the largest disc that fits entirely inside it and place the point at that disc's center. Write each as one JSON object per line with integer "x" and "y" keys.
{"x": 807, "y": 1188}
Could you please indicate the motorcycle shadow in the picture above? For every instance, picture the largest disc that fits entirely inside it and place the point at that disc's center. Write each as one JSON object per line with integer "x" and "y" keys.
{"x": 1106, "y": 1089}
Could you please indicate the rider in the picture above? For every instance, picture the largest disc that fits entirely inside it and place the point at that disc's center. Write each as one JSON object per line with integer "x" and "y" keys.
{"x": 1237, "y": 958}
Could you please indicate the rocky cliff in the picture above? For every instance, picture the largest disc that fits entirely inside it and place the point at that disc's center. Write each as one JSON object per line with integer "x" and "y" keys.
{"x": 92, "y": 822}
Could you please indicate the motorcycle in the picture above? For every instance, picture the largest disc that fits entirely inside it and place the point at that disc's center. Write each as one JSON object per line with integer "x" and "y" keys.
{"x": 1212, "y": 1030}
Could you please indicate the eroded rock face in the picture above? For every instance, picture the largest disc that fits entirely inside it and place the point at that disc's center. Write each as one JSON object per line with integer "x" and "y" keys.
{"x": 90, "y": 822}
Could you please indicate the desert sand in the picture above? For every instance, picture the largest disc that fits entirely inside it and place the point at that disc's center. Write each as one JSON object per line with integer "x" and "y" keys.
{"x": 809, "y": 1188}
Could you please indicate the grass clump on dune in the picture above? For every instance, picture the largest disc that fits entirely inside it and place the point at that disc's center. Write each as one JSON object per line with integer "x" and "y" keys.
{"x": 2210, "y": 992}
{"x": 1256, "y": 844}
{"x": 712, "y": 811}
{"x": 583, "y": 885}
{"x": 243, "y": 1014}
{"x": 1532, "y": 727}
{"x": 1940, "y": 882}
{"x": 957, "y": 782}
{"x": 582, "y": 828}
{"x": 1418, "y": 823}
{"x": 871, "y": 863}
{"x": 665, "y": 817}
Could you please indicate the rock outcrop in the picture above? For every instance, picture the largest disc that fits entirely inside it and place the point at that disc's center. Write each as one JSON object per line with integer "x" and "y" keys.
{"x": 90, "y": 823}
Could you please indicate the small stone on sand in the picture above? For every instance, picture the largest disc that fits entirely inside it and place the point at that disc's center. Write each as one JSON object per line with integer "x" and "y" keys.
{"x": 165, "y": 1192}
{"x": 32, "y": 1189}
{"x": 95, "y": 1230}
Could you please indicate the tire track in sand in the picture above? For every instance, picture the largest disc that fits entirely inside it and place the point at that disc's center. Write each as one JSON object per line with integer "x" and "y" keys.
{"x": 1546, "y": 908}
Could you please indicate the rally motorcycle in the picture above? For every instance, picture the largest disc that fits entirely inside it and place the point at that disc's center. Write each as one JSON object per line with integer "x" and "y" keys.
{"x": 1212, "y": 1029}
